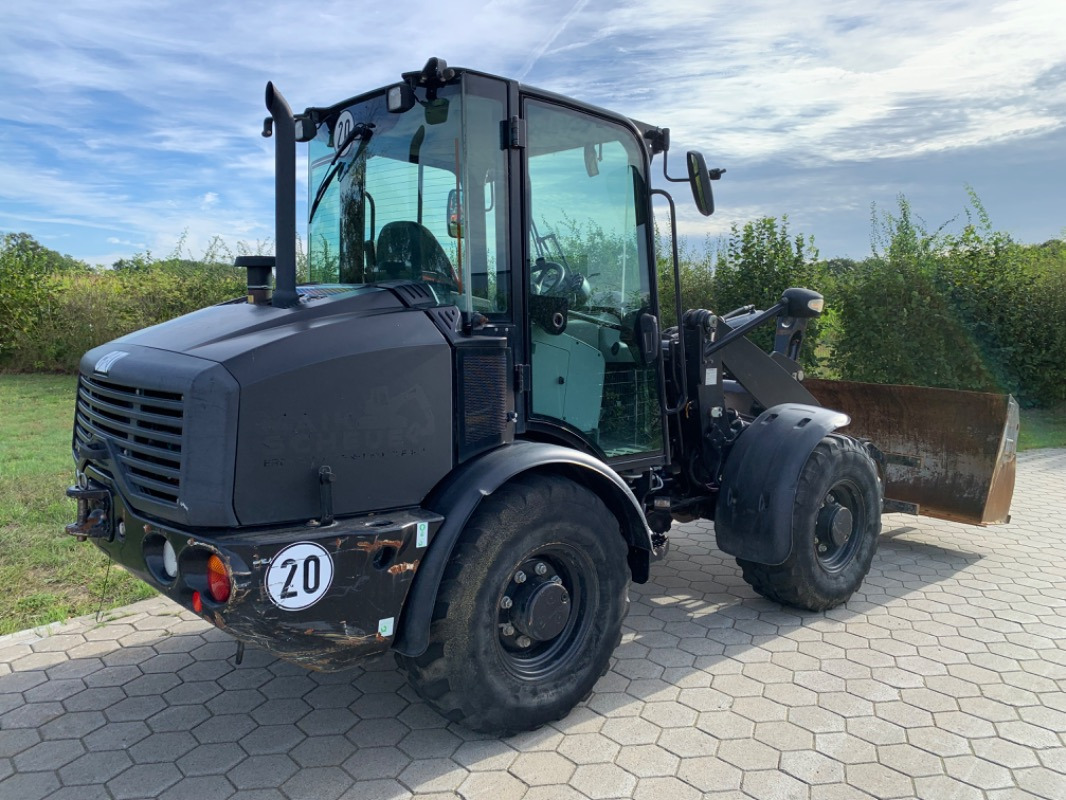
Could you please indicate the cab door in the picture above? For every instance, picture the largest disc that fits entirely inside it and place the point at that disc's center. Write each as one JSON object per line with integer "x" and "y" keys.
{"x": 590, "y": 277}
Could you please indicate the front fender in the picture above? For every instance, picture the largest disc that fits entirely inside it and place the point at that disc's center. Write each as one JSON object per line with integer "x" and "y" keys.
{"x": 458, "y": 495}
{"x": 753, "y": 518}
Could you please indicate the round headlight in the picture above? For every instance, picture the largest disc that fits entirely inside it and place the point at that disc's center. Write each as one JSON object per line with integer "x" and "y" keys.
{"x": 170, "y": 561}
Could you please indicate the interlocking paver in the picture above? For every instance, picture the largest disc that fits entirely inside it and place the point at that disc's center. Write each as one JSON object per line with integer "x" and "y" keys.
{"x": 29, "y": 785}
{"x": 665, "y": 789}
{"x": 432, "y": 775}
{"x": 161, "y": 748}
{"x": 200, "y": 788}
{"x": 688, "y": 742}
{"x": 211, "y": 759}
{"x": 73, "y": 725}
{"x": 812, "y": 767}
{"x": 268, "y": 739}
{"x": 495, "y": 784}
{"x": 223, "y": 728}
{"x": 603, "y": 781}
{"x": 322, "y": 751}
{"x": 648, "y": 760}
{"x": 773, "y": 785}
{"x": 178, "y": 718}
{"x": 317, "y": 783}
{"x": 48, "y": 755}
{"x": 710, "y": 774}
{"x": 377, "y": 762}
{"x": 262, "y": 772}
{"x": 144, "y": 781}
{"x": 945, "y": 676}
{"x": 95, "y": 768}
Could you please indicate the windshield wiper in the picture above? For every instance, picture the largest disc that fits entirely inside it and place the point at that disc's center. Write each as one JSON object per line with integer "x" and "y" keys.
{"x": 360, "y": 130}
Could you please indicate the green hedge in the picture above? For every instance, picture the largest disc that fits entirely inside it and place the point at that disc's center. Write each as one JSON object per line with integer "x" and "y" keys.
{"x": 966, "y": 310}
{"x": 53, "y": 309}
{"x": 972, "y": 310}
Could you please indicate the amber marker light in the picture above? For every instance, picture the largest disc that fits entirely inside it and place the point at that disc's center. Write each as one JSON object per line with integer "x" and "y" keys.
{"x": 217, "y": 579}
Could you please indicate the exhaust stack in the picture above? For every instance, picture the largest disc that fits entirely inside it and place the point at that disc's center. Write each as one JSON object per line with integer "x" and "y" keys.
{"x": 284, "y": 198}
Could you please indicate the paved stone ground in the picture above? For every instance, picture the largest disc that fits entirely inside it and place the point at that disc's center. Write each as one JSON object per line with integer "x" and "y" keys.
{"x": 944, "y": 678}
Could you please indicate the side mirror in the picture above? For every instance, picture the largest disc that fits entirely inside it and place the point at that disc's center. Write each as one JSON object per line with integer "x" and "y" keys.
{"x": 436, "y": 111}
{"x": 455, "y": 214}
{"x": 649, "y": 340}
{"x": 700, "y": 179}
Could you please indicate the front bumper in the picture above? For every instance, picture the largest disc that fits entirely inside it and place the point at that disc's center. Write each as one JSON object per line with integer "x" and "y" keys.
{"x": 325, "y": 615}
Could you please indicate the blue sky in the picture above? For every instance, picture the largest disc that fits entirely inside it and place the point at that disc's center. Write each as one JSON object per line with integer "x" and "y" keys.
{"x": 123, "y": 124}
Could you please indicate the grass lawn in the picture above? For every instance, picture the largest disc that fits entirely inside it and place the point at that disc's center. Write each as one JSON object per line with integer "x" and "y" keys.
{"x": 49, "y": 576}
{"x": 1043, "y": 427}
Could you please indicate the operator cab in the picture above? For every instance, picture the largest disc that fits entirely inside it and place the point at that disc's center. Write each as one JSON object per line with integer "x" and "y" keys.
{"x": 528, "y": 213}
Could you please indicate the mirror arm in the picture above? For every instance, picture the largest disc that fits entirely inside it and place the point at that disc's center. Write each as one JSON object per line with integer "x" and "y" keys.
{"x": 665, "y": 175}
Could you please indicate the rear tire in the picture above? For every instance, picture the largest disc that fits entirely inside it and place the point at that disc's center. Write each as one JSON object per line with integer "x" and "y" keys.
{"x": 529, "y": 610}
{"x": 836, "y": 522}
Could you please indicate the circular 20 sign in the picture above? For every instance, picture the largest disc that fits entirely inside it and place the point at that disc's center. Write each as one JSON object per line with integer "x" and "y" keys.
{"x": 299, "y": 576}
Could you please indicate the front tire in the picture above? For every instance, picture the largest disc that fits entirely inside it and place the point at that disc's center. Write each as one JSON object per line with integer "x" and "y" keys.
{"x": 529, "y": 610}
{"x": 836, "y": 522}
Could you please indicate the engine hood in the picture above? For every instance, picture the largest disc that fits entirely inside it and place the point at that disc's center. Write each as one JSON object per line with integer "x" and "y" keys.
{"x": 234, "y": 332}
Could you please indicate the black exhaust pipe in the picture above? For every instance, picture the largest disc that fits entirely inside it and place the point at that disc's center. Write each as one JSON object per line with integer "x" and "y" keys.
{"x": 284, "y": 198}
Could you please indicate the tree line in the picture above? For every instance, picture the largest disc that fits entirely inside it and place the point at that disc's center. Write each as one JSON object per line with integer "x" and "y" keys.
{"x": 966, "y": 309}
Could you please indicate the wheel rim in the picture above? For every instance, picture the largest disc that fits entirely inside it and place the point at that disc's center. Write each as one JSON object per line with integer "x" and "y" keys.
{"x": 542, "y": 620}
{"x": 839, "y": 525}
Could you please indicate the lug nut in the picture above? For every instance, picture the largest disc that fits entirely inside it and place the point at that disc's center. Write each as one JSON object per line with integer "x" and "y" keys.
{"x": 520, "y": 577}
{"x": 506, "y": 603}
{"x": 541, "y": 568}
{"x": 524, "y": 641}
{"x": 508, "y": 630}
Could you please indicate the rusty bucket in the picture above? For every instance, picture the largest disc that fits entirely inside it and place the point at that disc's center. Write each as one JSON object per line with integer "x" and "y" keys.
{"x": 948, "y": 454}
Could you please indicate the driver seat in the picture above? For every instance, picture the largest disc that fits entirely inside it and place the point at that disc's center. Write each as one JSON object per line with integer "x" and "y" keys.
{"x": 406, "y": 249}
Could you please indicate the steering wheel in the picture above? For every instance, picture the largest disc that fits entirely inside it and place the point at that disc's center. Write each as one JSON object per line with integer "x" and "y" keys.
{"x": 546, "y": 276}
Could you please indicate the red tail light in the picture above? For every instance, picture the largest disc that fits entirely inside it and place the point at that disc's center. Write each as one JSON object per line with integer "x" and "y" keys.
{"x": 217, "y": 580}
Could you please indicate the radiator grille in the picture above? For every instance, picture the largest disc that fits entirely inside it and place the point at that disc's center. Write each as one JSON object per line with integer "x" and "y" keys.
{"x": 482, "y": 400}
{"x": 145, "y": 427}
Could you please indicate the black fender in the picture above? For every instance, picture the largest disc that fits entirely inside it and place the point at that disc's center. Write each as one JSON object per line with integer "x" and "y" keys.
{"x": 459, "y": 494}
{"x": 753, "y": 517}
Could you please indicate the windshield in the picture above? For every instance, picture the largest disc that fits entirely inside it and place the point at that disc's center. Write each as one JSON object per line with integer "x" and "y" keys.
{"x": 417, "y": 195}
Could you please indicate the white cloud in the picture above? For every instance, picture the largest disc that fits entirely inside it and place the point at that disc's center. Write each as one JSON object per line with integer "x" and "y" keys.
{"x": 145, "y": 117}
{"x": 126, "y": 242}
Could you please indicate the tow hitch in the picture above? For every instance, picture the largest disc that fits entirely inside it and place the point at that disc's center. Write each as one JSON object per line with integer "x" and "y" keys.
{"x": 94, "y": 513}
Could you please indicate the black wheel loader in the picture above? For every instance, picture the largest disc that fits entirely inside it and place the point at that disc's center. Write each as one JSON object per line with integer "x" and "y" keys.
{"x": 469, "y": 431}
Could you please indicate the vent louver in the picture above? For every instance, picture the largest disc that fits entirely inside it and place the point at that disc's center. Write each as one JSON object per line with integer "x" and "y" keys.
{"x": 145, "y": 429}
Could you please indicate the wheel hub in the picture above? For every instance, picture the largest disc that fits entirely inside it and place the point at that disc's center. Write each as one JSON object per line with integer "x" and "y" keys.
{"x": 543, "y": 612}
{"x": 536, "y": 606}
{"x": 835, "y": 523}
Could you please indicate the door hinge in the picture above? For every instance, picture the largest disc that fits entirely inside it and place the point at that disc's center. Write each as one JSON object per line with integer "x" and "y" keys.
{"x": 516, "y": 136}
{"x": 521, "y": 378}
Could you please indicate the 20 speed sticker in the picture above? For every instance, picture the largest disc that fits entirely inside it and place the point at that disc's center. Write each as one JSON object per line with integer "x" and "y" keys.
{"x": 299, "y": 575}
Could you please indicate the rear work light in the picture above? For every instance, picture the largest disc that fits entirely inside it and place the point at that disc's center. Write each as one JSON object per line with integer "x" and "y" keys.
{"x": 217, "y": 579}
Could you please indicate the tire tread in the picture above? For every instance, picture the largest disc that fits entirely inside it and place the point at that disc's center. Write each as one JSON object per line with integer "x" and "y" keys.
{"x": 434, "y": 673}
{"x": 789, "y": 583}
